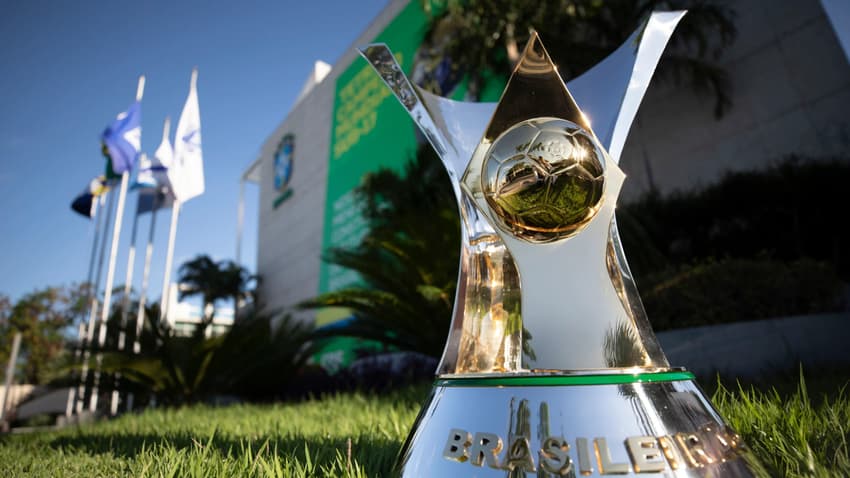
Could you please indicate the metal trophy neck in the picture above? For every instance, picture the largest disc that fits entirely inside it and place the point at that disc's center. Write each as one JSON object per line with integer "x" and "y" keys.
{"x": 566, "y": 307}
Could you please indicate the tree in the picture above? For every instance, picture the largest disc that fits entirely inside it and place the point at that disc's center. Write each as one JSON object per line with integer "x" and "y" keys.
{"x": 43, "y": 317}
{"x": 408, "y": 259}
{"x": 239, "y": 283}
{"x": 213, "y": 281}
{"x": 5, "y": 335}
{"x": 477, "y": 37}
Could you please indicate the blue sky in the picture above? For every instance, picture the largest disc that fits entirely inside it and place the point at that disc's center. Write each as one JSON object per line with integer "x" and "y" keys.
{"x": 70, "y": 67}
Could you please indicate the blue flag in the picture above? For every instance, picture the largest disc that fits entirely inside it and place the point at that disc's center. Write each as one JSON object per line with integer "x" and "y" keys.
{"x": 122, "y": 140}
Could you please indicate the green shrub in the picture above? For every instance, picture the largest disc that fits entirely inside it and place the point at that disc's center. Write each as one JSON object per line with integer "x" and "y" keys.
{"x": 730, "y": 290}
{"x": 791, "y": 210}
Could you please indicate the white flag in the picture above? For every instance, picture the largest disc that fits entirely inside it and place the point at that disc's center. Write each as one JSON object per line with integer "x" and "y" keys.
{"x": 163, "y": 157}
{"x": 144, "y": 174}
{"x": 186, "y": 173}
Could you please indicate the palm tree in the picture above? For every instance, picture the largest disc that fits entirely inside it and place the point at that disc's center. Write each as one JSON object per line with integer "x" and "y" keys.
{"x": 213, "y": 281}
{"x": 238, "y": 283}
{"x": 481, "y": 37}
{"x": 408, "y": 260}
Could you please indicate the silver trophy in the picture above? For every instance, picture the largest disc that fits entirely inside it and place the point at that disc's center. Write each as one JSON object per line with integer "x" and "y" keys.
{"x": 550, "y": 367}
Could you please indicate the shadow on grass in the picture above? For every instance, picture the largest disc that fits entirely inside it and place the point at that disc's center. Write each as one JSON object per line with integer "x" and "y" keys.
{"x": 376, "y": 455}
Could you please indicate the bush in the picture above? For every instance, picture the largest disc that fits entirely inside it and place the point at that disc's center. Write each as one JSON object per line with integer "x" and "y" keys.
{"x": 256, "y": 359}
{"x": 791, "y": 210}
{"x": 715, "y": 292}
{"x": 375, "y": 373}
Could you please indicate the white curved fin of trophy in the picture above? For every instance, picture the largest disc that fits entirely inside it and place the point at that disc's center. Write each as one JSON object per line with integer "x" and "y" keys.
{"x": 626, "y": 74}
{"x": 381, "y": 59}
{"x": 487, "y": 280}
{"x": 486, "y": 334}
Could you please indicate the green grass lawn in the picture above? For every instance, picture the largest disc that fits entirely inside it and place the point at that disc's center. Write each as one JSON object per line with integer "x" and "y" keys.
{"x": 794, "y": 432}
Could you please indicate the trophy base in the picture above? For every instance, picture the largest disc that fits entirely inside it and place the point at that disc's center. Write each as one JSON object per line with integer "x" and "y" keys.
{"x": 532, "y": 425}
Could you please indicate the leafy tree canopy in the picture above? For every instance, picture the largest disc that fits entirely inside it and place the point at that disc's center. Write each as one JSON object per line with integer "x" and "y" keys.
{"x": 43, "y": 317}
{"x": 480, "y": 36}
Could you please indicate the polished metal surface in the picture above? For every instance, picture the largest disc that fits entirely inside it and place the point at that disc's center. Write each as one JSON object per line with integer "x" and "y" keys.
{"x": 543, "y": 179}
{"x": 488, "y": 332}
{"x": 658, "y": 429}
{"x": 551, "y": 367}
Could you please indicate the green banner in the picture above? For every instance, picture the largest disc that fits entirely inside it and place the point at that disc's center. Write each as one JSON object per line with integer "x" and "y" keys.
{"x": 370, "y": 130}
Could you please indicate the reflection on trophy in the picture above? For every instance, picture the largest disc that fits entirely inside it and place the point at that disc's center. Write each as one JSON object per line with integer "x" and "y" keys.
{"x": 551, "y": 367}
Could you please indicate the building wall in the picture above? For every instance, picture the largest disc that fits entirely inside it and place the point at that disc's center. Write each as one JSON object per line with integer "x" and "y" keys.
{"x": 791, "y": 88}
{"x": 290, "y": 236}
{"x": 790, "y": 91}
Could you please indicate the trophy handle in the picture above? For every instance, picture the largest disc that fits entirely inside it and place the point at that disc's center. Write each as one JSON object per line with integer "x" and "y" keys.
{"x": 487, "y": 297}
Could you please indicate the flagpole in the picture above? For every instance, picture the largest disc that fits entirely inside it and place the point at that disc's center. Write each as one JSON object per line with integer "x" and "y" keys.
{"x": 72, "y": 393}
{"x": 172, "y": 231}
{"x": 125, "y": 301}
{"x": 81, "y": 331}
{"x": 143, "y": 293}
{"x": 10, "y": 373}
{"x": 107, "y": 291}
{"x": 110, "y": 274}
{"x": 193, "y": 82}
{"x": 169, "y": 255}
{"x": 140, "y": 88}
{"x": 187, "y": 135}
{"x": 109, "y": 197}
{"x": 240, "y": 219}
{"x": 128, "y": 279}
{"x": 98, "y": 219}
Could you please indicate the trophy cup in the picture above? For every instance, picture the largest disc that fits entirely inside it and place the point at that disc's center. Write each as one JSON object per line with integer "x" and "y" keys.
{"x": 551, "y": 368}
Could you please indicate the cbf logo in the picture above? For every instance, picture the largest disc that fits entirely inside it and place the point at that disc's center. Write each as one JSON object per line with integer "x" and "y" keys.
{"x": 283, "y": 161}
{"x": 191, "y": 141}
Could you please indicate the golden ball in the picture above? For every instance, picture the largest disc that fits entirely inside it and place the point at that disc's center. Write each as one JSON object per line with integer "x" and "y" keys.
{"x": 543, "y": 179}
